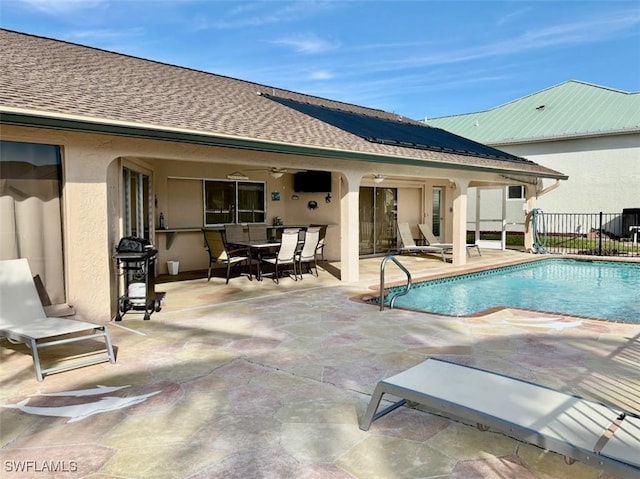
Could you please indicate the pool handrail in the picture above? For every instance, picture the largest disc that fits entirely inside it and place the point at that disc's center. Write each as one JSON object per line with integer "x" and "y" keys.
{"x": 382, "y": 289}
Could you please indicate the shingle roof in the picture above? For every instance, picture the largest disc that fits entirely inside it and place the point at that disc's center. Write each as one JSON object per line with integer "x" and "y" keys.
{"x": 61, "y": 79}
{"x": 570, "y": 109}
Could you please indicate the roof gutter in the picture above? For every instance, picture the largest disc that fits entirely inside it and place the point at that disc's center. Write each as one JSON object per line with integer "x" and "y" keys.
{"x": 17, "y": 117}
{"x": 568, "y": 136}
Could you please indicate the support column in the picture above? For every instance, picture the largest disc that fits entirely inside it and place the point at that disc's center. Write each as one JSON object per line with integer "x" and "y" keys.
{"x": 349, "y": 227}
{"x": 88, "y": 217}
{"x": 460, "y": 222}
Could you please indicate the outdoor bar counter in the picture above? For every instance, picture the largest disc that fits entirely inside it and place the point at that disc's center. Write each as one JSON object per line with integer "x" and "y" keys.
{"x": 273, "y": 231}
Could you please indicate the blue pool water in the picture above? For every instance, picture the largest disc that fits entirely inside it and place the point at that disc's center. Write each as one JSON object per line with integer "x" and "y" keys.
{"x": 594, "y": 289}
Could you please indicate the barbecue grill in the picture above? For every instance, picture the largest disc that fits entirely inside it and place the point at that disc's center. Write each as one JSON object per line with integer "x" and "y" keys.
{"x": 135, "y": 277}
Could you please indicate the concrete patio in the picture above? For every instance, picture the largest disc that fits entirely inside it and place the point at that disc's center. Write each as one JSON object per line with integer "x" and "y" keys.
{"x": 257, "y": 380}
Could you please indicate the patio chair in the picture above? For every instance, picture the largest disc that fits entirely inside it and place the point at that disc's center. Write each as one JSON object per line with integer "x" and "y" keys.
{"x": 235, "y": 233}
{"x": 258, "y": 233}
{"x": 220, "y": 252}
{"x": 321, "y": 242}
{"x": 308, "y": 252}
{"x": 430, "y": 240}
{"x": 23, "y": 320}
{"x": 591, "y": 432}
{"x": 408, "y": 245}
{"x": 285, "y": 256}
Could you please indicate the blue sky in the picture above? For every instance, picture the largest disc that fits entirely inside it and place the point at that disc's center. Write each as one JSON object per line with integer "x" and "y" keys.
{"x": 416, "y": 58}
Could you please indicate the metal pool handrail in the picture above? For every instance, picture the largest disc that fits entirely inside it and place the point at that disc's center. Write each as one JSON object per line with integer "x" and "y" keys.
{"x": 399, "y": 293}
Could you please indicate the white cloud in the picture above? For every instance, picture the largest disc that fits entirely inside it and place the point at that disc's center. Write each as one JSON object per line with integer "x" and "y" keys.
{"x": 62, "y": 7}
{"x": 585, "y": 31}
{"x": 254, "y": 14}
{"x": 106, "y": 34}
{"x": 321, "y": 75}
{"x": 309, "y": 43}
{"x": 511, "y": 16}
{"x": 581, "y": 31}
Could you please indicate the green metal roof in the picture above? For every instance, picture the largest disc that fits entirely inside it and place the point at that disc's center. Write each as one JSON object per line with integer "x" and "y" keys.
{"x": 570, "y": 109}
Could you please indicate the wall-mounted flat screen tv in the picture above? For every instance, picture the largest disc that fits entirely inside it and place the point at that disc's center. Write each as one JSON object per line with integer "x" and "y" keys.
{"x": 312, "y": 182}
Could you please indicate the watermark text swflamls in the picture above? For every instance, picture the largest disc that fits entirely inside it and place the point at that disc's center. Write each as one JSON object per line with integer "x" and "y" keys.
{"x": 40, "y": 466}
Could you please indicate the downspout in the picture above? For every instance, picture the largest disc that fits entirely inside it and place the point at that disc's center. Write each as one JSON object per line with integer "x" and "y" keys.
{"x": 529, "y": 207}
{"x": 549, "y": 188}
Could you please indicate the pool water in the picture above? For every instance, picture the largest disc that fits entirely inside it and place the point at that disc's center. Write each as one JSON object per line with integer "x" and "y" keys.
{"x": 593, "y": 289}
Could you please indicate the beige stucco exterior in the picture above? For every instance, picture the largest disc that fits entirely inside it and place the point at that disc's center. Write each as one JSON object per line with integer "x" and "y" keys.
{"x": 604, "y": 172}
{"x": 92, "y": 202}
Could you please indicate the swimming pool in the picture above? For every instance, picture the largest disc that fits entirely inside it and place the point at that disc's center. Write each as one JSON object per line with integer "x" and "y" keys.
{"x": 592, "y": 289}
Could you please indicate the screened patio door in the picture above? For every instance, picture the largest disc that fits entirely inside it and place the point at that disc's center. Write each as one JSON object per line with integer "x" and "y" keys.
{"x": 490, "y": 217}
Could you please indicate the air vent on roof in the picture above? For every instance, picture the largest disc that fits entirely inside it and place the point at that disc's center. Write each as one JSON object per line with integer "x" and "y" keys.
{"x": 540, "y": 108}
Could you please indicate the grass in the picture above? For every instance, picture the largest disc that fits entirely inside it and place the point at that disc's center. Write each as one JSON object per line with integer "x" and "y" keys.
{"x": 513, "y": 238}
{"x": 567, "y": 243}
{"x": 591, "y": 245}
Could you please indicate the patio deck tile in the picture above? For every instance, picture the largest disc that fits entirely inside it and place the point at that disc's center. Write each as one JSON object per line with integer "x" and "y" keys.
{"x": 255, "y": 380}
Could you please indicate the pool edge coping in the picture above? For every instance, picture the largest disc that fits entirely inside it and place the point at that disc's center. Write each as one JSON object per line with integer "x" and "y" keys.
{"x": 367, "y": 298}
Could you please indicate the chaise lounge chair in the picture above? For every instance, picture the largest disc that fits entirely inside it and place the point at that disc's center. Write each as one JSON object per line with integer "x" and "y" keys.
{"x": 23, "y": 320}
{"x": 408, "y": 245}
{"x": 430, "y": 240}
{"x": 593, "y": 433}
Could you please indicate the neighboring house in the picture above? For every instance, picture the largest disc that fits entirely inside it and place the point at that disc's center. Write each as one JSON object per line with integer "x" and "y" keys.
{"x": 589, "y": 132}
{"x": 98, "y": 145}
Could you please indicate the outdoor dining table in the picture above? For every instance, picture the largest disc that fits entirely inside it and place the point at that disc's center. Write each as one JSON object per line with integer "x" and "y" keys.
{"x": 259, "y": 247}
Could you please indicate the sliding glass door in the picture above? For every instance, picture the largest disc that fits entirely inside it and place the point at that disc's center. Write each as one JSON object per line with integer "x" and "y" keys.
{"x": 378, "y": 216}
{"x": 137, "y": 201}
{"x": 31, "y": 212}
{"x": 436, "y": 212}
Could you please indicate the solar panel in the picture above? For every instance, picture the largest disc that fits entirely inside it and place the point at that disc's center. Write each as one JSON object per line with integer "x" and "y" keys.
{"x": 397, "y": 133}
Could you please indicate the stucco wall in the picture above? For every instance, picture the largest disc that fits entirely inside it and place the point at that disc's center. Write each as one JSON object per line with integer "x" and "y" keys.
{"x": 92, "y": 201}
{"x": 604, "y": 173}
{"x": 178, "y": 186}
{"x": 87, "y": 213}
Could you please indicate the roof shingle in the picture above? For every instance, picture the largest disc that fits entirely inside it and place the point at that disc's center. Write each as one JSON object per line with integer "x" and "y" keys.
{"x": 41, "y": 75}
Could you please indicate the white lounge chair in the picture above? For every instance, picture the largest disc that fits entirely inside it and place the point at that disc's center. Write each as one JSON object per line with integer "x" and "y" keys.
{"x": 596, "y": 434}
{"x": 23, "y": 320}
{"x": 430, "y": 240}
{"x": 408, "y": 245}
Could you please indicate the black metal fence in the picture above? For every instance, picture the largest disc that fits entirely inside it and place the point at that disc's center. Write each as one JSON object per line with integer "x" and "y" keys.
{"x": 599, "y": 234}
